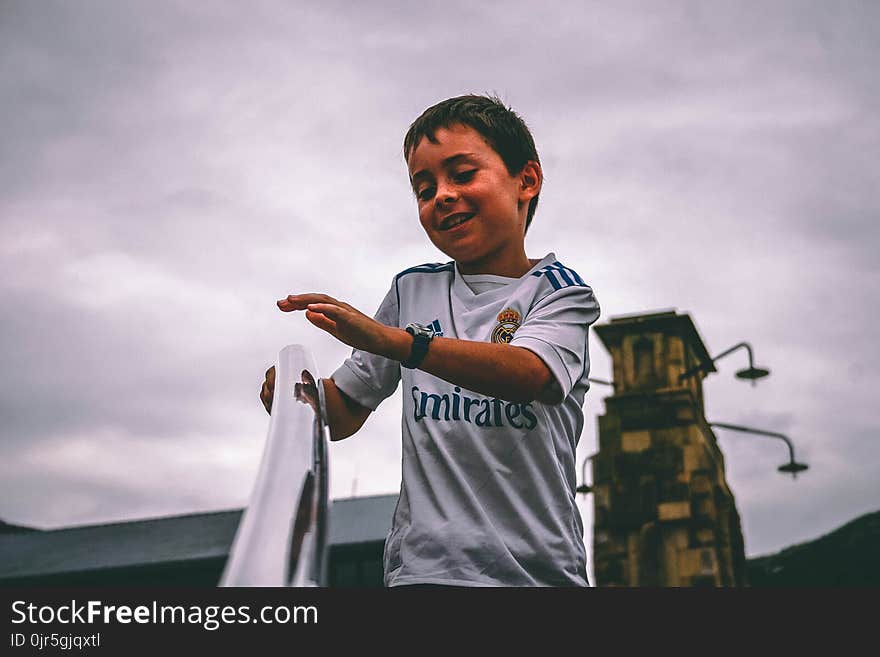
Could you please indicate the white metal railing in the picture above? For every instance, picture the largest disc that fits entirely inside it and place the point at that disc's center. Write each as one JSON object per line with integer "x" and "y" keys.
{"x": 282, "y": 537}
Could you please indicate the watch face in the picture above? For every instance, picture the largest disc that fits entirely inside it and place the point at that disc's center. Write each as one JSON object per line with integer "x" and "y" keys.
{"x": 418, "y": 329}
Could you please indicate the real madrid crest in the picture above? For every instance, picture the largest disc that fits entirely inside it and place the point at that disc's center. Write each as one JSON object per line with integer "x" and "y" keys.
{"x": 508, "y": 322}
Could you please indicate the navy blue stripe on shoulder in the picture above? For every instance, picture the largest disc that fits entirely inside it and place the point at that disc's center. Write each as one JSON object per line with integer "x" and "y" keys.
{"x": 560, "y": 276}
{"x": 431, "y": 268}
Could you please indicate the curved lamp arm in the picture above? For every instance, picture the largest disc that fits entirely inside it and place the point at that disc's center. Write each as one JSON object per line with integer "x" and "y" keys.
{"x": 751, "y": 373}
{"x": 792, "y": 466}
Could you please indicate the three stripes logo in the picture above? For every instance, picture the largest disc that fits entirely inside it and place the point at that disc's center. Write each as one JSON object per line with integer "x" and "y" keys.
{"x": 560, "y": 276}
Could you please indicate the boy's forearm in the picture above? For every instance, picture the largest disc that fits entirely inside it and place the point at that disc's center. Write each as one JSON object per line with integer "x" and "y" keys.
{"x": 344, "y": 415}
{"x": 498, "y": 370}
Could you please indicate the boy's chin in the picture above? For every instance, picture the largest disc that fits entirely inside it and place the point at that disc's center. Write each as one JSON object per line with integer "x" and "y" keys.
{"x": 461, "y": 258}
{"x": 465, "y": 254}
{"x": 453, "y": 253}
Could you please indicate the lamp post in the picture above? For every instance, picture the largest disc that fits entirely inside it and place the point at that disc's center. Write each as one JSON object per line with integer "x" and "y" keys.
{"x": 792, "y": 466}
{"x": 584, "y": 488}
{"x": 751, "y": 373}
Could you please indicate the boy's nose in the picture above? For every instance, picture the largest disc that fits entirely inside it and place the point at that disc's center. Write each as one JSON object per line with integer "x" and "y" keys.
{"x": 445, "y": 196}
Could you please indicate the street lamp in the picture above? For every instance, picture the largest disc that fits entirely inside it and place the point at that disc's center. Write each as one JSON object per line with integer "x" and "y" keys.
{"x": 584, "y": 488}
{"x": 751, "y": 373}
{"x": 792, "y": 466}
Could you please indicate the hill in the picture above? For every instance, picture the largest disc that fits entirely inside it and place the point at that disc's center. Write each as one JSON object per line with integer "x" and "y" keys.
{"x": 847, "y": 556}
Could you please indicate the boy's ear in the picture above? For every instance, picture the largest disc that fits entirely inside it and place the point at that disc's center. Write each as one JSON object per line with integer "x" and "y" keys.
{"x": 531, "y": 178}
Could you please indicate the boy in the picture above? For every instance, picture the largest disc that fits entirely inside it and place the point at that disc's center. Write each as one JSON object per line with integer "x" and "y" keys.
{"x": 492, "y": 352}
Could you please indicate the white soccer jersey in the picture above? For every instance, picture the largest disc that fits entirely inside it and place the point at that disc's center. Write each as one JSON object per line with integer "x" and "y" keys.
{"x": 487, "y": 496}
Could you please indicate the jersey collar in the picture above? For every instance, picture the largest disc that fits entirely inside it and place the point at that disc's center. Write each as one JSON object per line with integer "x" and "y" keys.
{"x": 461, "y": 290}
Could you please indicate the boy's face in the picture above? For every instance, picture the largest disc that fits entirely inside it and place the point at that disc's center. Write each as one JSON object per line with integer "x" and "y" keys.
{"x": 473, "y": 210}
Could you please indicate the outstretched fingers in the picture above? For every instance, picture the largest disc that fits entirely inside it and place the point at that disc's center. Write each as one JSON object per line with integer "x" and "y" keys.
{"x": 301, "y": 301}
{"x": 321, "y": 321}
{"x": 334, "y": 310}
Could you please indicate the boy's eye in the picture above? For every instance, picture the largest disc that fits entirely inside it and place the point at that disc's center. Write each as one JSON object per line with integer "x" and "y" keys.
{"x": 464, "y": 176}
{"x": 425, "y": 193}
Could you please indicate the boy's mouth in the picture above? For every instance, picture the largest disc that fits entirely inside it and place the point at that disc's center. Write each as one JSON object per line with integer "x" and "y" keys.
{"x": 457, "y": 219}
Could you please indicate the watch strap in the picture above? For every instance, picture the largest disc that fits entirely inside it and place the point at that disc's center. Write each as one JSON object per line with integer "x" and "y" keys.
{"x": 422, "y": 337}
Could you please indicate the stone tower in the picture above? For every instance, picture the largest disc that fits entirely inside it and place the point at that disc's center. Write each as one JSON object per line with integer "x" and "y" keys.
{"x": 664, "y": 514}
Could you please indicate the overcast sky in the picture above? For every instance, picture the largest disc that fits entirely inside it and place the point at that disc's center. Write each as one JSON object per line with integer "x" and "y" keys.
{"x": 168, "y": 170}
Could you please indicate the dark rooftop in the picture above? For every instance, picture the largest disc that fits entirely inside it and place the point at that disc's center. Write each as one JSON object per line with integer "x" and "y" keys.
{"x": 163, "y": 540}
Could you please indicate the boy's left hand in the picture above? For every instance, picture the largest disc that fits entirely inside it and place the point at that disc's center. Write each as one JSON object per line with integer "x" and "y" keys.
{"x": 340, "y": 320}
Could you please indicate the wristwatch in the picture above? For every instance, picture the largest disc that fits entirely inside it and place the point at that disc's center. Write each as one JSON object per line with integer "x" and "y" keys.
{"x": 422, "y": 336}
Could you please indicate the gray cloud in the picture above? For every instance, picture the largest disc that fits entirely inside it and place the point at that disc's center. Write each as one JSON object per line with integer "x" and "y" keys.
{"x": 169, "y": 170}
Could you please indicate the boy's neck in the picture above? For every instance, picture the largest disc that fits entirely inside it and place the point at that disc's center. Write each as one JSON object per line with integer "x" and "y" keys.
{"x": 509, "y": 268}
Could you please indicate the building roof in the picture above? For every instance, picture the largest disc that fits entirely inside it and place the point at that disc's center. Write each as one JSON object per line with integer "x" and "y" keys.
{"x": 6, "y": 528}
{"x": 665, "y": 321}
{"x": 182, "y": 538}
{"x": 361, "y": 519}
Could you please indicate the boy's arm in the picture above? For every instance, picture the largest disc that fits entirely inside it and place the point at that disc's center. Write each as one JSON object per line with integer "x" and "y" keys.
{"x": 498, "y": 370}
{"x": 510, "y": 373}
{"x": 344, "y": 415}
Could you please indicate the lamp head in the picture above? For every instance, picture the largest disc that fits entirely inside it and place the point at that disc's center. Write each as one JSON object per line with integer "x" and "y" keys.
{"x": 793, "y": 468}
{"x": 753, "y": 373}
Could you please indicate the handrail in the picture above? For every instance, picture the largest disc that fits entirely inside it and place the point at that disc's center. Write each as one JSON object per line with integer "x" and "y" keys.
{"x": 282, "y": 539}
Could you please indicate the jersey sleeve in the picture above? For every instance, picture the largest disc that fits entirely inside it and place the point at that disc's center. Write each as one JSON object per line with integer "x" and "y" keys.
{"x": 556, "y": 329}
{"x": 367, "y": 378}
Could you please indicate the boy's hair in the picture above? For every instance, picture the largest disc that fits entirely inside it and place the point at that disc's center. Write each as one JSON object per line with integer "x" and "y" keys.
{"x": 500, "y": 126}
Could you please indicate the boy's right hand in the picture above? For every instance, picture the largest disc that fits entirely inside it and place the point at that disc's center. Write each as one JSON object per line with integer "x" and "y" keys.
{"x": 344, "y": 415}
{"x": 268, "y": 389}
